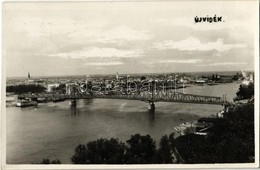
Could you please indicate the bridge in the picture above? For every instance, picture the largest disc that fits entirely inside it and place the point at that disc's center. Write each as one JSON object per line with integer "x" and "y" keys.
{"x": 149, "y": 97}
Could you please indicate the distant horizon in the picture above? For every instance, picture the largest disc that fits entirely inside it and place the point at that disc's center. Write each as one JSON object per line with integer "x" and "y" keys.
{"x": 105, "y": 74}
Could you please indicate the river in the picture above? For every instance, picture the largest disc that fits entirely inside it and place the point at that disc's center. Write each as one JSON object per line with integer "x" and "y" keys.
{"x": 53, "y": 130}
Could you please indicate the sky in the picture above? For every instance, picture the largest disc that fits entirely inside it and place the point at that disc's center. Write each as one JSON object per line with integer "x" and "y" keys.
{"x": 50, "y": 39}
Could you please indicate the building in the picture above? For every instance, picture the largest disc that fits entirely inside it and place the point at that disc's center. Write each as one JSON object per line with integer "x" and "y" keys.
{"x": 51, "y": 87}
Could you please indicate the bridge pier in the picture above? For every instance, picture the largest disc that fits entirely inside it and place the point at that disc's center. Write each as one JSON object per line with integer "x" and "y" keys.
{"x": 151, "y": 106}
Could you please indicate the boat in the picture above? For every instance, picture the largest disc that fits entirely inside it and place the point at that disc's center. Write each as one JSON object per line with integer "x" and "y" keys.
{"x": 41, "y": 100}
{"x": 200, "y": 81}
{"x": 26, "y": 103}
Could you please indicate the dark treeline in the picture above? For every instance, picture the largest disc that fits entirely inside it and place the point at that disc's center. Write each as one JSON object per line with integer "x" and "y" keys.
{"x": 137, "y": 150}
{"x": 25, "y": 88}
{"x": 230, "y": 141}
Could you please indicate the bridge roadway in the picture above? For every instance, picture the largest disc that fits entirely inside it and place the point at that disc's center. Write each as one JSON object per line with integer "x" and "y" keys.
{"x": 143, "y": 96}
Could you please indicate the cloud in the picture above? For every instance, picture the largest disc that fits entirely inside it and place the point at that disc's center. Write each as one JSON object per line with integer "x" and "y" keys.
{"x": 182, "y": 61}
{"x": 178, "y": 61}
{"x": 222, "y": 64}
{"x": 36, "y": 26}
{"x": 104, "y": 63}
{"x": 99, "y": 52}
{"x": 76, "y": 30}
{"x": 110, "y": 35}
{"x": 192, "y": 44}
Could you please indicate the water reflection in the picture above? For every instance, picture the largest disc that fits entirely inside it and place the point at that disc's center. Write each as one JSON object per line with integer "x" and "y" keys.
{"x": 74, "y": 111}
{"x": 87, "y": 101}
{"x": 151, "y": 115}
{"x": 29, "y": 108}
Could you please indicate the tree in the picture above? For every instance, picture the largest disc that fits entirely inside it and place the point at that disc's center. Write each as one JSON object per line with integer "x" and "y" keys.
{"x": 140, "y": 150}
{"x": 241, "y": 123}
{"x": 101, "y": 151}
{"x": 60, "y": 89}
{"x": 171, "y": 140}
{"x": 165, "y": 151}
{"x": 245, "y": 92}
{"x": 47, "y": 161}
{"x": 235, "y": 77}
{"x": 231, "y": 140}
{"x": 23, "y": 88}
{"x": 213, "y": 77}
{"x": 79, "y": 156}
{"x": 143, "y": 78}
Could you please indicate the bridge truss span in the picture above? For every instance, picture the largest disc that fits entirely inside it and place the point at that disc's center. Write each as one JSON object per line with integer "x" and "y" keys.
{"x": 168, "y": 97}
{"x": 143, "y": 96}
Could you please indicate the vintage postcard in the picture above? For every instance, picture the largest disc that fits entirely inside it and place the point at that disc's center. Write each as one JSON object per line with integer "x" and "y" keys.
{"x": 126, "y": 84}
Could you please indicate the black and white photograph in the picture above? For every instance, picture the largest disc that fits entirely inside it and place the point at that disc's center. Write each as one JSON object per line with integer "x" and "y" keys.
{"x": 125, "y": 83}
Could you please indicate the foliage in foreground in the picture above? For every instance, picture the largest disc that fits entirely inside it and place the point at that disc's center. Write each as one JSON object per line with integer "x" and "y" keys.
{"x": 245, "y": 92}
{"x": 137, "y": 150}
{"x": 100, "y": 151}
{"x": 47, "y": 161}
{"x": 231, "y": 140}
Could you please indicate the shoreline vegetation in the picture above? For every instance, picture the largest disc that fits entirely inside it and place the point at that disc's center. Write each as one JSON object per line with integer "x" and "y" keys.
{"x": 229, "y": 139}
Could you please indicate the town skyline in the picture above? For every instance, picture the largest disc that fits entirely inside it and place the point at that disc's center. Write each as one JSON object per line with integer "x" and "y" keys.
{"x": 125, "y": 74}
